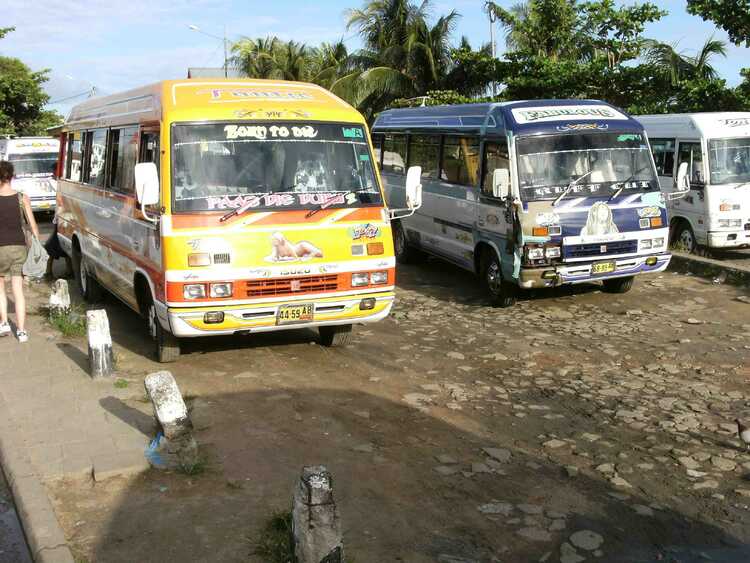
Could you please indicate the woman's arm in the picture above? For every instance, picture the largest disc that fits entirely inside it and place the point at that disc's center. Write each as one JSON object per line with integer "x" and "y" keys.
{"x": 30, "y": 215}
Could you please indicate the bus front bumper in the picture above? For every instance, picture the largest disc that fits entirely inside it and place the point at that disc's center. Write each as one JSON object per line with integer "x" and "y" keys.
{"x": 581, "y": 272}
{"x": 263, "y": 317}
{"x": 43, "y": 203}
{"x": 729, "y": 239}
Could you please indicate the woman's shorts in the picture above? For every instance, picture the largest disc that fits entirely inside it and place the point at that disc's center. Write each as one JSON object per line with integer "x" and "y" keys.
{"x": 11, "y": 260}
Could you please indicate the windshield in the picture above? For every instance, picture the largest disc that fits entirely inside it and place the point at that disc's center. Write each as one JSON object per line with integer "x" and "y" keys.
{"x": 297, "y": 165}
{"x": 729, "y": 160}
{"x": 603, "y": 161}
{"x": 34, "y": 164}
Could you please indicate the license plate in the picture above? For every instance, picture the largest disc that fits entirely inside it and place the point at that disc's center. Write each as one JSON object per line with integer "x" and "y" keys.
{"x": 603, "y": 267}
{"x": 44, "y": 204}
{"x": 289, "y": 314}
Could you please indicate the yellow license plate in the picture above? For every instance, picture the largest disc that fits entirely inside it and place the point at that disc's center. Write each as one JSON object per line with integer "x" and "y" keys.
{"x": 603, "y": 267}
{"x": 289, "y": 314}
{"x": 44, "y": 204}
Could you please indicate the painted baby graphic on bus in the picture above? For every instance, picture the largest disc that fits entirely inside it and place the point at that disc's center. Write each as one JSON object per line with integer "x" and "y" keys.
{"x": 283, "y": 250}
{"x": 600, "y": 221}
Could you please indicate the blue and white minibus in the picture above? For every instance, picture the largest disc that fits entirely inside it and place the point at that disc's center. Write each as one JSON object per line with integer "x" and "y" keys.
{"x": 528, "y": 194}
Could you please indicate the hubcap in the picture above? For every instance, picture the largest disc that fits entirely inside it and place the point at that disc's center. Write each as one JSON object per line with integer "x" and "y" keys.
{"x": 494, "y": 278}
{"x": 686, "y": 238}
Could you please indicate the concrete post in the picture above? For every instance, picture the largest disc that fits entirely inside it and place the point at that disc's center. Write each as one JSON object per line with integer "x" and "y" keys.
{"x": 315, "y": 520}
{"x": 101, "y": 357}
{"x": 172, "y": 416}
{"x": 59, "y": 299}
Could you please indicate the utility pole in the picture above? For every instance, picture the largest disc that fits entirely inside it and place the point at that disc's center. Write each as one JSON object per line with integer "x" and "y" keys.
{"x": 492, "y": 18}
{"x": 225, "y": 52}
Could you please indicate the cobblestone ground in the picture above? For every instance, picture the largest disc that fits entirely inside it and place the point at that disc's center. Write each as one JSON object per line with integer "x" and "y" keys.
{"x": 576, "y": 426}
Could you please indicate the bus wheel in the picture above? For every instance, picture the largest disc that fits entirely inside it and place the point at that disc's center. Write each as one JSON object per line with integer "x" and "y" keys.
{"x": 685, "y": 238}
{"x": 337, "y": 335}
{"x": 618, "y": 285}
{"x": 502, "y": 293}
{"x": 88, "y": 287}
{"x": 167, "y": 347}
{"x": 405, "y": 253}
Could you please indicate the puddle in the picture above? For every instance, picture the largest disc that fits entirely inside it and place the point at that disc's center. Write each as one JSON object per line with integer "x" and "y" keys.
{"x": 13, "y": 547}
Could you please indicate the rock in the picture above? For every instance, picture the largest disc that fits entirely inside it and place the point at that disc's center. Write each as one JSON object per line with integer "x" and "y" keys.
{"x": 590, "y": 437}
{"x": 554, "y": 444}
{"x": 504, "y": 508}
{"x": 692, "y": 321}
{"x": 587, "y": 540}
{"x": 722, "y": 463}
{"x": 568, "y": 554}
{"x": 688, "y": 462}
{"x": 743, "y": 492}
{"x": 557, "y": 525}
{"x": 571, "y": 470}
{"x": 446, "y": 470}
{"x": 643, "y": 510}
{"x": 694, "y": 473}
{"x": 708, "y": 484}
{"x": 530, "y": 508}
{"x": 605, "y": 468}
{"x": 455, "y": 355}
{"x": 480, "y": 468}
{"x": 498, "y": 454}
{"x": 446, "y": 459}
{"x": 364, "y": 448}
{"x": 535, "y": 534}
{"x": 620, "y": 482}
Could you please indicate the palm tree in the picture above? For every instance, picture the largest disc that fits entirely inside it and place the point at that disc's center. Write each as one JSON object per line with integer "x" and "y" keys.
{"x": 680, "y": 66}
{"x": 328, "y": 62}
{"x": 256, "y": 58}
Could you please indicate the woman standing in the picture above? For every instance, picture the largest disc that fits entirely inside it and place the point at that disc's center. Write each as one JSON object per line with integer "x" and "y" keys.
{"x": 13, "y": 249}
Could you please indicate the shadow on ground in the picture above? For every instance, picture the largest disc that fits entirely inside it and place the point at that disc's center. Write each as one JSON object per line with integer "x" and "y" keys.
{"x": 394, "y": 505}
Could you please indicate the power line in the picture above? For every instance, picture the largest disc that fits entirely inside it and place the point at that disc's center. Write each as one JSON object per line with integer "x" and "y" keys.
{"x": 88, "y": 92}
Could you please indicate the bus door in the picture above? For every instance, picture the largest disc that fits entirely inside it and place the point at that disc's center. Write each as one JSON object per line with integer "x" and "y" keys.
{"x": 454, "y": 211}
{"x": 493, "y": 214}
{"x": 693, "y": 205}
{"x": 147, "y": 238}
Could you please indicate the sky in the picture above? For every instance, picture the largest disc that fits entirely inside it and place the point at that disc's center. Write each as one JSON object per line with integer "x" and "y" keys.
{"x": 112, "y": 45}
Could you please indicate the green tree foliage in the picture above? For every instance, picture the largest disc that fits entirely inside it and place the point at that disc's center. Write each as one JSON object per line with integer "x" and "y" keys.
{"x": 22, "y": 99}
{"x": 731, "y": 15}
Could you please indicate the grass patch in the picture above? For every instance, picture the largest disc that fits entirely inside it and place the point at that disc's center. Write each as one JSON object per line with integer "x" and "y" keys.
{"x": 275, "y": 543}
{"x": 71, "y": 323}
{"x": 121, "y": 384}
{"x": 194, "y": 469}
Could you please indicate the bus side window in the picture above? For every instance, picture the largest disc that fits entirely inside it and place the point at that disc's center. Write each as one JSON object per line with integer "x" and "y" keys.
{"x": 663, "y": 151}
{"x": 394, "y": 154}
{"x": 73, "y": 162}
{"x": 495, "y": 156}
{"x": 150, "y": 147}
{"x": 691, "y": 153}
{"x": 424, "y": 151}
{"x": 460, "y": 161}
{"x": 377, "y": 149}
{"x": 124, "y": 150}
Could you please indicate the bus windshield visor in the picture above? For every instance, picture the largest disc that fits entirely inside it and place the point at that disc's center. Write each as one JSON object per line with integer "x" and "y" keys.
{"x": 598, "y": 164}
{"x": 34, "y": 165}
{"x": 729, "y": 160}
{"x": 277, "y": 165}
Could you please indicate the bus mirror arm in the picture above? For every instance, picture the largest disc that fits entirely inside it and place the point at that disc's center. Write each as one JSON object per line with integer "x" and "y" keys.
{"x": 682, "y": 186}
{"x": 147, "y": 187}
{"x": 413, "y": 194}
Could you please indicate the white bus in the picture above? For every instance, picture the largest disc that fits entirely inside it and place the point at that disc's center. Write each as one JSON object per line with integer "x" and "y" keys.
{"x": 34, "y": 160}
{"x": 716, "y": 147}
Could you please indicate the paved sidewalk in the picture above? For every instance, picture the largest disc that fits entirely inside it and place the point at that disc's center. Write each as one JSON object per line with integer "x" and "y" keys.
{"x": 56, "y": 422}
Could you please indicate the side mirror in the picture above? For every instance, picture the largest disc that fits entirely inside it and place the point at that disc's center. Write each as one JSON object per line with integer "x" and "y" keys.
{"x": 682, "y": 186}
{"x": 146, "y": 186}
{"x": 414, "y": 187}
{"x": 501, "y": 183}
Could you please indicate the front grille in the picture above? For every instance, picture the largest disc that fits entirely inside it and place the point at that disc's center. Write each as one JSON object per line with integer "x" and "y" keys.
{"x": 291, "y": 286}
{"x": 593, "y": 250}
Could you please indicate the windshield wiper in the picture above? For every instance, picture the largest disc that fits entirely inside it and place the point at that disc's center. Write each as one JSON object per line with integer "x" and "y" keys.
{"x": 623, "y": 184}
{"x": 572, "y": 184}
{"x": 240, "y": 210}
{"x": 743, "y": 184}
{"x": 328, "y": 201}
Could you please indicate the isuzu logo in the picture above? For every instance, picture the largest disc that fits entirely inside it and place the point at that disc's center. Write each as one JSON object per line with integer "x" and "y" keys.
{"x": 603, "y": 248}
{"x": 296, "y": 285}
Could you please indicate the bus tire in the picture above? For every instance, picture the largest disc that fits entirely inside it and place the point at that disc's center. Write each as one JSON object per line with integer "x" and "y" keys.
{"x": 405, "y": 252}
{"x": 684, "y": 237}
{"x": 618, "y": 285}
{"x": 501, "y": 293}
{"x": 166, "y": 345}
{"x": 336, "y": 335}
{"x": 88, "y": 286}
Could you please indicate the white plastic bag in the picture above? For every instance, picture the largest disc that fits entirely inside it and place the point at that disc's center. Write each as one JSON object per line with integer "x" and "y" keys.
{"x": 36, "y": 260}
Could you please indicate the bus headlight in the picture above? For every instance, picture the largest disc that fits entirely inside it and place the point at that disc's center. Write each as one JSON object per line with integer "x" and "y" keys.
{"x": 727, "y": 223}
{"x": 658, "y": 242}
{"x": 194, "y": 291}
{"x": 220, "y": 290}
{"x": 535, "y": 253}
{"x": 552, "y": 252}
{"x": 199, "y": 259}
{"x": 378, "y": 278}
{"x": 646, "y": 243}
{"x": 360, "y": 279}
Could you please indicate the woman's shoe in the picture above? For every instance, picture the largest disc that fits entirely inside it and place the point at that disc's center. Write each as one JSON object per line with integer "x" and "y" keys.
{"x": 22, "y": 335}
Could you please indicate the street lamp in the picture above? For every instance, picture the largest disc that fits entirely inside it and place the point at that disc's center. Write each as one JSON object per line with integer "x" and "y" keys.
{"x": 223, "y": 39}
{"x": 488, "y": 6}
